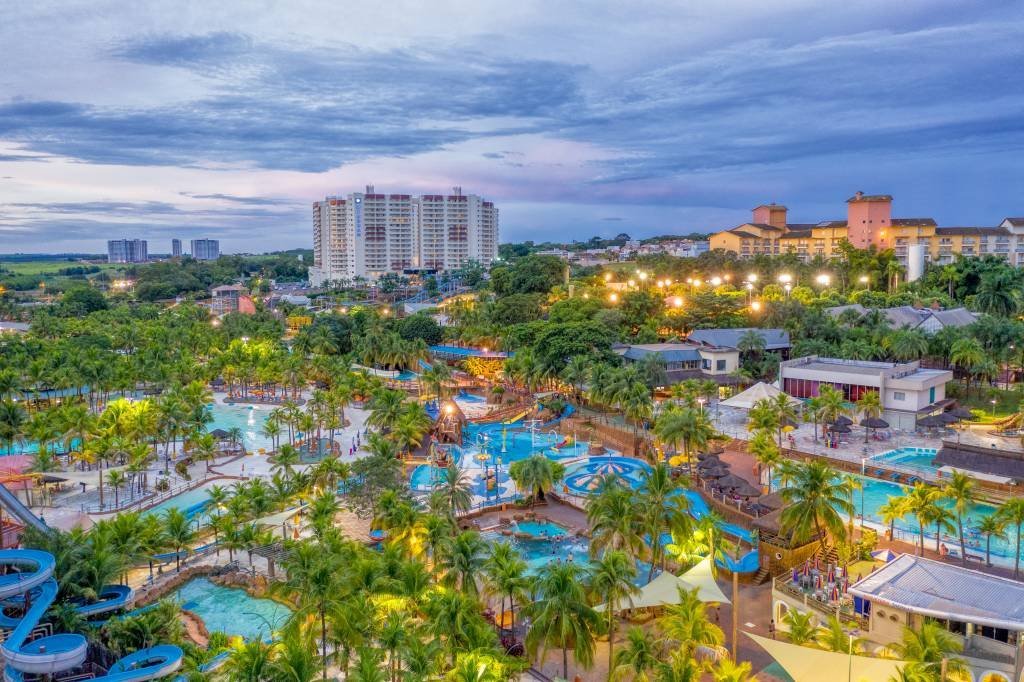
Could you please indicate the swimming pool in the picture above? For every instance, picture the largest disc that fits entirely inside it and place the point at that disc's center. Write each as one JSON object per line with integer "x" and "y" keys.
{"x": 249, "y": 418}
{"x": 426, "y": 476}
{"x": 876, "y": 493}
{"x": 540, "y": 530}
{"x": 231, "y": 610}
{"x": 919, "y": 459}
{"x": 192, "y": 502}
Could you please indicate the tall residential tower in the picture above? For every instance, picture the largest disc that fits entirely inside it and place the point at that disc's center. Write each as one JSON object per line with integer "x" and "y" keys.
{"x": 205, "y": 249}
{"x": 368, "y": 234}
{"x": 127, "y": 251}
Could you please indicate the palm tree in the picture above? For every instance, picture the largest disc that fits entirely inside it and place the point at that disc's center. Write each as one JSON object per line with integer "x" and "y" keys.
{"x": 814, "y": 501}
{"x": 462, "y": 559}
{"x": 907, "y": 344}
{"x": 313, "y": 579}
{"x": 575, "y": 373}
{"x": 116, "y": 479}
{"x": 766, "y": 452}
{"x": 931, "y": 648}
{"x": 960, "y": 490}
{"x": 250, "y": 660}
{"x": 833, "y": 637}
{"x": 832, "y": 404}
{"x": 921, "y": 501}
{"x": 728, "y": 670}
{"x": 179, "y": 533}
{"x": 991, "y": 525}
{"x": 687, "y": 624}
{"x": 639, "y": 656}
{"x": 680, "y": 667}
{"x": 966, "y": 354}
{"x": 870, "y": 407}
{"x": 614, "y": 519}
{"x": 664, "y": 510}
{"x": 611, "y": 581}
{"x": 285, "y": 461}
{"x": 455, "y": 485}
{"x": 535, "y": 474}
{"x": 561, "y": 617}
{"x": 1012, "y": 513}
{"x": 506, "y": 575}
{"x": 892, "y": 511}
{"x": 799, "y": 628}
{"x": 686, "y": 426}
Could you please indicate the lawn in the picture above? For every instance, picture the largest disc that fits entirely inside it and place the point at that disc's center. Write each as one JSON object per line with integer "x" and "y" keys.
{"x": 51, "y": 267}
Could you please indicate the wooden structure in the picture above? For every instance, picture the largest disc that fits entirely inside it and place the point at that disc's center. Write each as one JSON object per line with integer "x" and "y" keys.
{"x": 449, "y": 423}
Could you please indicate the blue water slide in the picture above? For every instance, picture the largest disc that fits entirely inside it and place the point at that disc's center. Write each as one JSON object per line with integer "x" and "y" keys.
{"x": 33, "y": 585}
{"x": 748, "y": 563}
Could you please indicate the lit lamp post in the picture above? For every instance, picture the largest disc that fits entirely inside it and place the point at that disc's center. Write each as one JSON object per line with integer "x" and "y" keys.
{"x": 701, "y": 401}
{"x": 865, "y": 280}
{"x": 823, "y": 279}
{"x": 788, "y": 288}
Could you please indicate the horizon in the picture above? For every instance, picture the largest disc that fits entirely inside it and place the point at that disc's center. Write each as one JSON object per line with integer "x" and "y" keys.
{"x": 151, "y": 123}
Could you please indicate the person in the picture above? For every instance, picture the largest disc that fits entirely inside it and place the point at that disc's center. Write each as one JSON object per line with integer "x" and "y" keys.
{"x": 771, "y": 628}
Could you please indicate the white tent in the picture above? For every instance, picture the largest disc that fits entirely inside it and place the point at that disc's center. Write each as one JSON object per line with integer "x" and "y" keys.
{"x": 805, "y": 664}
{"x": 759, "y": 391}
{"x": 664, "y": 590}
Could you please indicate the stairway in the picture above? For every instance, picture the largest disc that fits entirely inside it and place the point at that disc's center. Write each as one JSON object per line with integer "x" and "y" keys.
{"x": 762, "y": 576}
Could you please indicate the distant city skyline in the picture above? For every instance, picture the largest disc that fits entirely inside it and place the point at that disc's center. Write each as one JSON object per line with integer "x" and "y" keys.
{"x": 147, "y": 121}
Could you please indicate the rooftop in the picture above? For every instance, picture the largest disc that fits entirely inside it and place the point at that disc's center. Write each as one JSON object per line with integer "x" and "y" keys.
{"x": 932, "y": 588}
{"x": 860, "y": 196}
{"x": 971, "y": 231}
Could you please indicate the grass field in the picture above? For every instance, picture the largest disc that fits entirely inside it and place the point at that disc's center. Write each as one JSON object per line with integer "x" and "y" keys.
{"x": 50, "y": 267}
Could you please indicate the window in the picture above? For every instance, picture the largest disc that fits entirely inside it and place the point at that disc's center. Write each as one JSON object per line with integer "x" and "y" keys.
{"x": 899, "y": 395}
{"x": 720, "y": 365}
{"x": 931, "y": 395}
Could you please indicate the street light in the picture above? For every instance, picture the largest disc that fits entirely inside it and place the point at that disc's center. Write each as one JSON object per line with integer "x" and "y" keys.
{"x": 614, "y": 298}
{"x": 677, "y": 302}
{"x": 788, "y": 288}
{"x": 607, "y": 276}
{"x": 752, "y": 277}
{"x": 823, "y": 279}
{"x": 755, "y": 306}
{"x": 701, "y": 401}
{"x": 785, "y": 278}
{"x": 643, "y": 276}
{"x": 715, "y": 281}
{"x": 993, "y": 401}
{"x": 631, "y": 282}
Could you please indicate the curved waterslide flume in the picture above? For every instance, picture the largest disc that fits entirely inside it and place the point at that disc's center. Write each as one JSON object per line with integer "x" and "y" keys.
{"x": 34, "y": 584}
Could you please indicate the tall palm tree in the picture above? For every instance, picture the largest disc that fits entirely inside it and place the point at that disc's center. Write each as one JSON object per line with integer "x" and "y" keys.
{"x": 728, "y": 670}
{"x": 249, "y": 660}
{"x": 814, "y": 501}
{"x": 179, "y": 532}
{"x": 614, "y": 519}
{"x": 992, "y": 526}
{"x": 535, "y": 474}
{"x": 834, "y": 637}
{"x": 506, "y": 575}
{"x": 766, "y": 452}
{"x": 832, "y": 404}
{"x": 462, "y": 560}
{"x": 455, "y": 485}
{"x": 892, "y": 511}
{"x": 684, "y": 426}
{"x": 966, "y": 354}
{"x": 561, "y": 617}
{"x": 960, "y": 490}
{"x": 799, "y": 627}
{"x": 870, "y": 407}
{"x": 665, "y": 511}
{"x": 575, "y": 373}
{"x": 313, "y": 580}
{"x": 611, "y": 581}
{"x": 1012, "y": 512}
{"x": 921, "y": 501}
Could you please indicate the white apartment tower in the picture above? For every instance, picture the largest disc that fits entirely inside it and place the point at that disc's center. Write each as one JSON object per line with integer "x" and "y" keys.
{"x": 367, "y": 234}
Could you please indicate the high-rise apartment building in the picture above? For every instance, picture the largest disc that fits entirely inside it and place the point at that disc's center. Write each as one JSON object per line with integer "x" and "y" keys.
{"x": 127, "y": 251}
{"x": 368, "y": 234}
{"x": 205, "y": 249}
{"x": 175, "y": 248}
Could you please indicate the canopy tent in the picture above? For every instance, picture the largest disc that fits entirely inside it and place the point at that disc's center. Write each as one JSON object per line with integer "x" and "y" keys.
{"x": 759, "y": 391}
{"x": 87, "y": 477}
{"x": 664, "y": 590}
{"x": 885, "y": 555}
{"x": 804, "y": 664}
{"x": 702, "y": 577}
{"x": 280, "y": 517}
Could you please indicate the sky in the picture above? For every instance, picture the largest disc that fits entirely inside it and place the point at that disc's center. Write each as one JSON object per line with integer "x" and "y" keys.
{"x": 227, "y": 119}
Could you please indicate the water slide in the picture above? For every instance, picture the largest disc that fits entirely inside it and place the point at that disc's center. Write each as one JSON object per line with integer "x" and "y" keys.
{"x": 13, "y": 506}
{"x": 35, "y": 586}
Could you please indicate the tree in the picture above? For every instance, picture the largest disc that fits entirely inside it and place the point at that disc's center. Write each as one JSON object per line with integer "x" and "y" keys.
{"x": 814, "y": 501}
{"x": 799, "y": 628}
{"x": 766, "y": 452}
{"x": 611, "y": 581}
{"x": 833, "y": 637}
{"x": 684, "y": 426}
{"x": 870, "y": 406}
{"x": 1012, "y": 512}
{"x": 966, "y": 354}
{"x": 561, "y": 617}
{"x": 638, "y": 657}
{"x": 930, "y": 648}
{"x": 535, "y": 474}
{"x": 992, "y": 526}
{"x": 892, "y": 511}
{"x": 960, "y": 490}
{"x": 462, "y": 560}
{"x": 179, "y": 533}
{"x": 728, "y": 670}
{"x": 614, "y": 518}
{"x": 455, "y": 486}
{"x": 922, "y": 501}
{"x": 686, "y": 623}
{"x": 313, "y": 580}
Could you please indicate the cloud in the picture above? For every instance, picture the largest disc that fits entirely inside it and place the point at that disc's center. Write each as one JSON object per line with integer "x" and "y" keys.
{"x": 249, "y": 201}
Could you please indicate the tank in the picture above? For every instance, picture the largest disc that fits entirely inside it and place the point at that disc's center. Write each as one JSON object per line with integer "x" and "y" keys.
{"x": 915, "y": 261}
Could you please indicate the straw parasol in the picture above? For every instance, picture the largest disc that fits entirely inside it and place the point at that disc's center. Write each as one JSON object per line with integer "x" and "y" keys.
{"x": 843, "y": 419}
{"x": 715, "y": 472}
{"x": 930, "y": 422}
{"x": 730, "y": 481}
{"x": 710, "y": 462}
{"x": 961, "y": 413}
{"x": 746, "y": 490}
{"x": 949, "y": 418}
{"x": 839, "y": 428}
{"x": 874, "y": 423}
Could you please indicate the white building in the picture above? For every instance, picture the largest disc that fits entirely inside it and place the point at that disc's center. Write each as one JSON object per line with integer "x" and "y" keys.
{"x": 368, "y": 234}
{"x": 127, "y": 251}
{"x": 175, "y": 248}
{"x": 205, "y": 249}
{"x": 906, "y": 390}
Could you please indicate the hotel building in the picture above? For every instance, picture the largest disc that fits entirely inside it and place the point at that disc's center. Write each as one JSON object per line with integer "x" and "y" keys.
{"x": 127, "y": 251}
{"x": 906, "y": 390}
{"x": 205, "y": 249}
{"x": 175, "y": 248}
{"x": 869, "y": 221}
{"x": 369, "y": 234}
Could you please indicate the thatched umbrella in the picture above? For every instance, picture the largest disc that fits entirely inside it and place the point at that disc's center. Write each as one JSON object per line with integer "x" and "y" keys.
{"x": 715, "y": 450}
{"x": 872, "y": 423}
{"x": 839, "y": 428}
{"x": 961, "y": 413}
{"x": 715, "y": 472}
{"x": 843, "y": 419}
{"x": 220, "y": 434}
{"x": 710, "y": 462}
{"x": 746, "y": 490}
{"x": 949, "y": 418}
{"x": 730, "y": 481}
{"x": 930, "y": 422}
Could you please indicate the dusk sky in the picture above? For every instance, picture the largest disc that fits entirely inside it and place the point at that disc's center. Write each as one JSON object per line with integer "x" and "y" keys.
{"x": 226, "y": 119}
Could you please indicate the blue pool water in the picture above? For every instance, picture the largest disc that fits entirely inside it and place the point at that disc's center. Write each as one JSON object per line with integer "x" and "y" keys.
{"x": 914, "y": 458}
{"x": 31, "y": 448}
{"x": 876, "y": 493}
{"x": 425, "y": 476}
{"x": 540, "y": 529}
{"x": 406, "y": 375}
{"x": 191, "y": 502}
{"x": 514, "y": 442}
{"x": 231, "y": 610}
{"x": 249, "y": 418}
